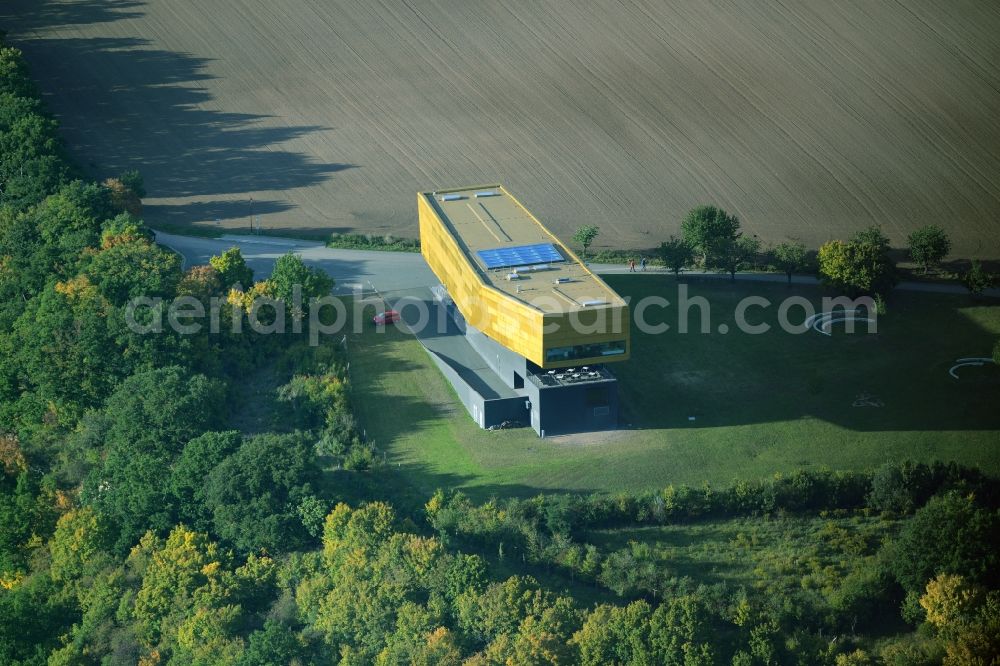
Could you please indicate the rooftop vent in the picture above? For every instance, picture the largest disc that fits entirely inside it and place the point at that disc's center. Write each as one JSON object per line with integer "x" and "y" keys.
{"x": 450, "y": 197}
{"x": 594, "y": 301}
{"x": 487, "y": 193}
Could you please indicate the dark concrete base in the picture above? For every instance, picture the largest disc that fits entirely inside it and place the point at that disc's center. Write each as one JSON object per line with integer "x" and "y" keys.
{"x": 496, "y": 385}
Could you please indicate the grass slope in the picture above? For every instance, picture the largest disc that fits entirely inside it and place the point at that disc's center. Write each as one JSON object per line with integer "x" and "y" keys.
{"x": 767, "y": 403}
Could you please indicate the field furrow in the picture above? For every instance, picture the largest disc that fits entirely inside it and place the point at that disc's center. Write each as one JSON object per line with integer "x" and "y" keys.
{"x": 809, "y": 119}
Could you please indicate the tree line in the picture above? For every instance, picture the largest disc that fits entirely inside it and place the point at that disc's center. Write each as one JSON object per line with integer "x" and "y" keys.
{"x": 712, "y": 240}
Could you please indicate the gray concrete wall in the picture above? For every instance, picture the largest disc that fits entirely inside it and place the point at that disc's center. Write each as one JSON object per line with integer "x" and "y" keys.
{"x": 553, "y": 410}
{"x": 471, "y": 399}
{"x": 506, "y": 409}
{"x": 484, "y": 412}
{"x": 567, "y": 409}
{"x": 500, "y": 359}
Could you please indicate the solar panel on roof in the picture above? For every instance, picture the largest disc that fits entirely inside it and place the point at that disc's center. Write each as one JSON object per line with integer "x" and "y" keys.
{"x": 522, "y": 255}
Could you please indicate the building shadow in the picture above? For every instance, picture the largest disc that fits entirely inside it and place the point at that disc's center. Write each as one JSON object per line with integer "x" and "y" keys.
{"x": 895, "y": 379}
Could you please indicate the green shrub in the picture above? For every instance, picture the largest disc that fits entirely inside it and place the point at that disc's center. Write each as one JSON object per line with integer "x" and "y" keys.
{"x": 953, "y": 533}
{"x": 905, "y": 487}
{"x": 387, "y": 243}
{"x": 977, "y": 279}
{"x": 360, "y": 457}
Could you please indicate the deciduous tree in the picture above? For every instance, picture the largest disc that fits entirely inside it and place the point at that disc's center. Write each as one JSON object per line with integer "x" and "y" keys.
{"x": 190, "y": 472}
{"x": 790, "y": 257}
{"x": 859, "y": 266}
{"x": 233, "y": 269}
{"x": 273, "y": 645}
{"x": 79, "y": 547}
{"x": 706, "y": 228}
{"x": 254, "y": 493}
{"x": 951, "y": 534}
{"x": 149, "y": 419}
{"x": 616, "y": 635}
{"x": 126, "y": 192}
{"x": 134, "y": 268}
{"x": 733, "y": 255}
{"x": 32, "y": 160}
{"x": 179, "y": 574}
{"x": 70, "y": 221}
{"x": 947, "y": 601}
{"x": 585, "y": 236}
{"x": 290, "y": 270}
{"x": 201, "y": 282}
{"x": 676, "y": 254}
{"x": 64, "y": 350}
{"x": 929, "y": 246}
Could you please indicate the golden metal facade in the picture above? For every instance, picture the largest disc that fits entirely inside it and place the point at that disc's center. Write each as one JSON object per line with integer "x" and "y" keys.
{"x": 544, "y": 316}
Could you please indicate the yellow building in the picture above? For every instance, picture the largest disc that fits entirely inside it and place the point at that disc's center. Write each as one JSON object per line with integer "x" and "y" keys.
{"x": 517, "y": 283}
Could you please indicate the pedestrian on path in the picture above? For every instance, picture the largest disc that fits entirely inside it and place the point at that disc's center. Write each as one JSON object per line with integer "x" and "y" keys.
{"x": 642, "y": 264}
{"x": 631, "y": 265}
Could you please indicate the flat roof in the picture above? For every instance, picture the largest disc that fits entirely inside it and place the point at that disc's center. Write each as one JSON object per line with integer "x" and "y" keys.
{"x": 487, "y": 218}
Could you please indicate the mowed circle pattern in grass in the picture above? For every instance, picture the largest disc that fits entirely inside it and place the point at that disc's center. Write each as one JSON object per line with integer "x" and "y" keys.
{"x": 762, "y": 403}
{"x": 809, "y": 119}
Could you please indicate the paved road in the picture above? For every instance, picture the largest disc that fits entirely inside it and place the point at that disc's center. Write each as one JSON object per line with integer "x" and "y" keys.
{"x": 352, "y": 269}
{"x": 395, "y": 271}
{"x": 930, "y": 287}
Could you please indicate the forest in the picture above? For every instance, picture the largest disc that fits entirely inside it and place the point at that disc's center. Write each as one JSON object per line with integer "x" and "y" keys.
{"x": 145, "y": 519}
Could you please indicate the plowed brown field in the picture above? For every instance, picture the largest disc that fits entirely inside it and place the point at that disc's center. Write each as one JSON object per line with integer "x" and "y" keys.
{"x": 808, "y": 118}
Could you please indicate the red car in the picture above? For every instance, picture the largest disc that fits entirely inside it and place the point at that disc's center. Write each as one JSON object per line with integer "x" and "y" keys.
{"x": 387, "y": 317}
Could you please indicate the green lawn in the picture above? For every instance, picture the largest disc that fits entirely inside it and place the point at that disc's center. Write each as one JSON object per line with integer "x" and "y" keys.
{"x": 762, "y": 403}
